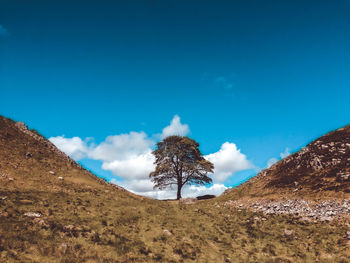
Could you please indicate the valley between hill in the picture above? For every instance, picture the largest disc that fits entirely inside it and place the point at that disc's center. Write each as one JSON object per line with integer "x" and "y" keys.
{"x": 53, "y": 210}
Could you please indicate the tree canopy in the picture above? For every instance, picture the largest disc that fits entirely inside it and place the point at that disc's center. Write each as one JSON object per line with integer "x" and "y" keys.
{"x": 179, "y": 162}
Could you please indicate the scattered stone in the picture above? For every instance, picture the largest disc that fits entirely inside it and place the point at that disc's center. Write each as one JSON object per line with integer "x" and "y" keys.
{"x": 306, "y": 219}
{"x": 63, "y": 248}
{"x": 39, "y": 221}
{"x": 32, "y": 214}
{"x": 288, "y": 232}
{"x": 11, "y": 179}
{"x": 322, "y": 211}
{"x": 167, "y": 232}
{"x": 21, "y": 125}
{"x": 345, "y": 176}
{"x": 325, "y": 218}
{"x": 347, "y": 235}
{"x": 3, "y": 176}
{"x": 68, "y": 228}
{"x": 4, "y": 214}
{"x": 204, "y": 197}
{"x": 60, "y": 178}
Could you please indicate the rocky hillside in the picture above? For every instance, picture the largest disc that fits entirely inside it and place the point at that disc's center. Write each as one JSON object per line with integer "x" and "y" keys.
{"x": 320, "y": 170}
{"x": 30, "y": 161}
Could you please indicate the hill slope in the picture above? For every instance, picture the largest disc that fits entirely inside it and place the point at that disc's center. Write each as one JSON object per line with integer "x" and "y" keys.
{"x": 31, "y": 162}
{"x": 320, "y": 170}
{"x": 52, "y": 210}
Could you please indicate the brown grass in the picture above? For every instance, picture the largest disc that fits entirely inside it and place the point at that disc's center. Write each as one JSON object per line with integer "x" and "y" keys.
{"x": 83, "y": 219}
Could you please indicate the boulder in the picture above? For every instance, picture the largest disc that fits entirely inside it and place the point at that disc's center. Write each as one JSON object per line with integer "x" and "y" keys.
{"x": 32, "y": 214}
{"x": 204, "y": 197}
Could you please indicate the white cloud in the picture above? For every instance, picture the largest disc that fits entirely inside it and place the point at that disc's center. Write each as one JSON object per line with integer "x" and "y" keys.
{"x": 194, "y": 190}
{"x": 134, "y": 167}
{"x": 129, "y": 157}
{"x": 122, "y": 147}
{"x": 145, "y": 187}
{"x": 3, "y": 31}
{"x": 227, "y": 161}
{"x": 175, "y": 128}
{"x": 74, "y": 147}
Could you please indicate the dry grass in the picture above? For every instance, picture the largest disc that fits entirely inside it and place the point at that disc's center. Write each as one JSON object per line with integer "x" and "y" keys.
{"x": 84, "y": 219}
{"x": 95, "y": 226}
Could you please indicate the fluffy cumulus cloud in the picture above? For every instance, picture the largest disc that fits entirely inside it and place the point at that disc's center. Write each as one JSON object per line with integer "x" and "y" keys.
{"x": 122, "y": 147}
{"x": 227, "y": 161}
{"x": 129, "y": 157}
{"x": 175, "y": 128}
{"x": 135, "y": 167}
{"x": 75, "y": 147}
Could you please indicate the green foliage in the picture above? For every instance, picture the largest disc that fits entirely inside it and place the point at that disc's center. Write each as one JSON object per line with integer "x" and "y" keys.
{"x": 179, "y": 162}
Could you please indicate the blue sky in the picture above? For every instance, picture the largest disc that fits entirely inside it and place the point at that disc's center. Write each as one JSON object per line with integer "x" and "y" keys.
{"x": 264, "y": 75}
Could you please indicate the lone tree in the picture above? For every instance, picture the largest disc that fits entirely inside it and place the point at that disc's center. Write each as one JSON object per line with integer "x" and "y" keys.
{"x": 179, "y": 162}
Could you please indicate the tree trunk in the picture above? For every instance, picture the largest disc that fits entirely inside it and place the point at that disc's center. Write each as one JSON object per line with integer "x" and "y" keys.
{"x": 179, "y": 186}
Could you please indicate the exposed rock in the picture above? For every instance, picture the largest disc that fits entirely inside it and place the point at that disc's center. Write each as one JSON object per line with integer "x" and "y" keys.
{"x": 204, "y": 197}
{"x": 68, "y": 228}
{"x": 4, "y": 214}
{"x": 167, "y": 232}
{"x": 60, "y": 178}
{"x": 322, "y": 211}
{"x": 63, "y": 248}
{"x": 347, "y": 235}
{"x": 52, "y": 172}
{"x": 40, "y": 222}
{"x": 288, "y": 232}
{"x": 32, "y": 214}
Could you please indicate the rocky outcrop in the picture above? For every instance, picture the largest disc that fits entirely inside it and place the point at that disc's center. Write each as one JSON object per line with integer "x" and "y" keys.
{"x": 321, "y": 166}
{"x": 304, "y": 209}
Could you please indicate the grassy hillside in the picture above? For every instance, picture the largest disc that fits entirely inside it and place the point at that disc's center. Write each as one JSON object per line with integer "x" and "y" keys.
{"x": 320, "y": 171}
{"x": 52, "y": 210}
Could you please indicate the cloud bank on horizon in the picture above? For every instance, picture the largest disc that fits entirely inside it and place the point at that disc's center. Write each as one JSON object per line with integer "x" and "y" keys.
{"x": 129, "y": 158}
